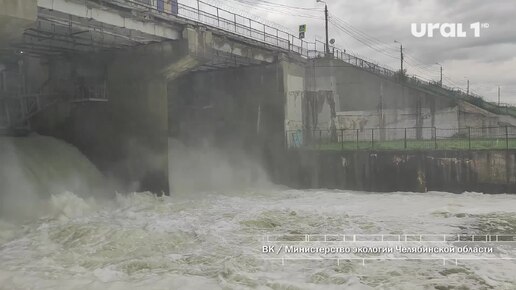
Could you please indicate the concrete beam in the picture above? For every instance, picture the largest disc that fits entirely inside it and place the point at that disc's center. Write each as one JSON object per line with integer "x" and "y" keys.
{"x": 111, "y": 17}
{"x": 244, "y": 50}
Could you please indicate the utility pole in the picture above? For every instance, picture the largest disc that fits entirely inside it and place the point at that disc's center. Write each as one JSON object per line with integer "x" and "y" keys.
{"x": 326, "y": 16}
{"x": 468, "y": 89}
{"x": 441, "y": 82}
{"x": 498, "y": 96}
{"x": 401, "y": 57}
{"x": 327, "y": 37}
{"x": 401, "y": 50}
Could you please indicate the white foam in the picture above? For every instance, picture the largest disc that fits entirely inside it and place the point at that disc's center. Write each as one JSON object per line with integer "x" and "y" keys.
{"x": 139, "y": 241}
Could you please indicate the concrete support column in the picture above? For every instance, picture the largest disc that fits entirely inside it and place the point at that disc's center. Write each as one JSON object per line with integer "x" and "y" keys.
{"x": 294, "y": 90}
{"x": 140, "y": 115}
{"x": 138, "y": 101}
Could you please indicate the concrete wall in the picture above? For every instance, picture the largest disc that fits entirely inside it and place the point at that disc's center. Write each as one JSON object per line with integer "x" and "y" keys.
{"x": 239, "y": 109}
{"x": 15, "y": 17}
{"x": 452, "y": 171}
{"x": 362, "y": 100}
{"x": 349, "y": 98}
{"x": 395, "y": 120}
{"x": 396, "y": 105}
{"x": 126, "y": 137}
{"x": 294, "y": 83}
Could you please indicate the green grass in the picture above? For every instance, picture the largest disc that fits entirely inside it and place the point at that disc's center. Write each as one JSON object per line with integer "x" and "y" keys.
{"x": 444, "y": 144}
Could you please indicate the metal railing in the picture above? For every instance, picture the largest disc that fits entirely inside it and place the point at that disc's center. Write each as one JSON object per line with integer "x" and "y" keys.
{"x": 11, "y": 82}
{"x": 415, "y": 138}
{"x": 92, "y": 91}
{"x": 227, "y": 21}
{"x": 15, "y": 112}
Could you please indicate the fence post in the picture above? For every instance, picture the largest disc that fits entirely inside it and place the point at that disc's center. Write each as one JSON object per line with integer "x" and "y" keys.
{"x": 286, "y": 140}
{"x": 235, "y": 22}
{"x": 507, "y": 137}
{"x": 358, "y": 147}
{"x": 469, "y": 138}
{"x": 218, "y": 18}
{"x": 405, "y": 140}
{"x": 264, "y": 33}
{"x": 372, "y": 138}
{"x": 7, "y": 113}
{"x": 198, "y": 11}
{"x": 22, "y": 106}
{"x": 342, "y": 139}
{"x": 435, "y": 138}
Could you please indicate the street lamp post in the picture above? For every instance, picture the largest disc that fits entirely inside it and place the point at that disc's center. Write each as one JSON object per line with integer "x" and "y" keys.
{"x": 326, "y": 22}
{"x": 402, "y": 56}
{"x": 441, "y": 81}
{"x": 498, "y": 96}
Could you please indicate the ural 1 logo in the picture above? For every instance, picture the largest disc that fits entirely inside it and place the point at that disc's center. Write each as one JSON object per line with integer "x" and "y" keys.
{"x": 448, "y": 30}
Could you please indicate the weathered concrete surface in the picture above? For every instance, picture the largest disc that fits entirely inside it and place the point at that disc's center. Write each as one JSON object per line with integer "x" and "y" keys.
{"x": 15, "y": 17}
{"x": 225, "y": 45}
{"x": 239, "y": 109}
{"x": 396, "y": 105}
{"x": 126, "y": 137}
{"x": 110, "y": 17}
{"x": 452, "y": 171}
{"x": 361, "y": 99}
{"x": 294, "y": 86}
{"x": 137, "y": 128}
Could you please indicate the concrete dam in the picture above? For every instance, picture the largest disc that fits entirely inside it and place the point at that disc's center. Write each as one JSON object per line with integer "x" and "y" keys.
{"x": 117, "y": 79}
{"x": 163, "y": 144}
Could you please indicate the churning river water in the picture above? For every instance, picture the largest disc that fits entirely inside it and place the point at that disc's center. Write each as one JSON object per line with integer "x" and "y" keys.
{"x": 215, "y": 240}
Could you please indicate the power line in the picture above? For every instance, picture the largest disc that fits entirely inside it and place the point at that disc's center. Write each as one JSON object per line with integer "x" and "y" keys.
{"x": 378, "y": 46}
{"x": 271, "y": 4}
{"x": 374, "y": 41}
{"x": 279, "y": 9}
{"x": 246, "y": 7}
{"x": 360, "y": 39}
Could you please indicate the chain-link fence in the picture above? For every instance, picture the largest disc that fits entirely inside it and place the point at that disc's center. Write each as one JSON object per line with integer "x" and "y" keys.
{"x": 424, "y": 138}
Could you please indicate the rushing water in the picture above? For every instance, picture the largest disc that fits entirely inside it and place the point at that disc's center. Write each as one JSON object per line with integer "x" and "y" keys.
{"x": 209, "y": 242}
{"x": 213, "y": 240}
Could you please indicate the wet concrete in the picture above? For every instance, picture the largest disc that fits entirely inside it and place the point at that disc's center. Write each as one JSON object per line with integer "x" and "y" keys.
{"x": 488, "y": 171}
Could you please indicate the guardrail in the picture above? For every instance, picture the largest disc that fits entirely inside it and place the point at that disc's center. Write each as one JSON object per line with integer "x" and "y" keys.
{"x": 415, "y": 138}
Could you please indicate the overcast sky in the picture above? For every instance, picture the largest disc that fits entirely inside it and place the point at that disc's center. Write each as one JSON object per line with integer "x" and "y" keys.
{"x": 488, "y": 61}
